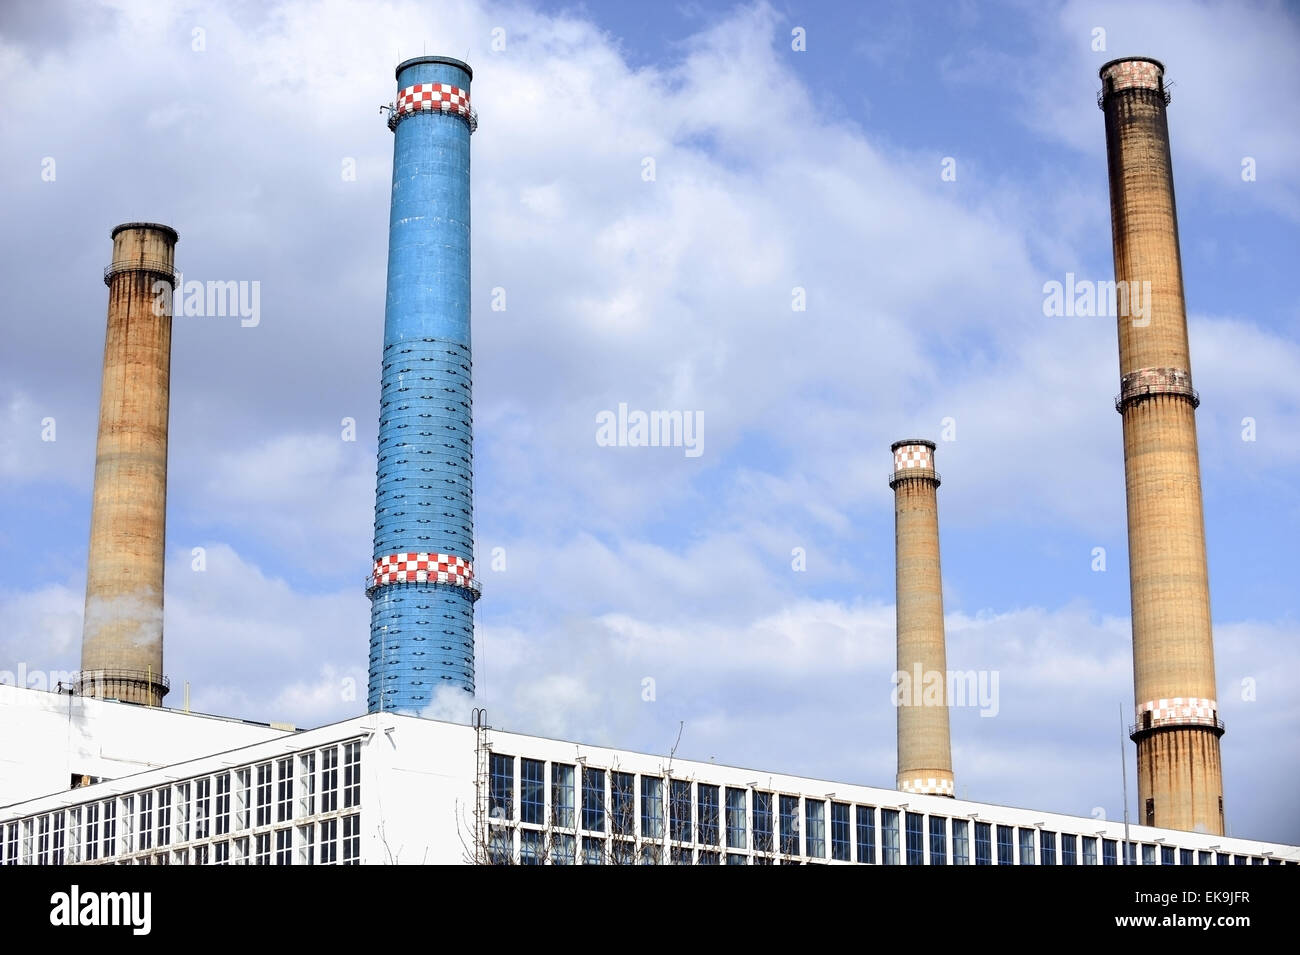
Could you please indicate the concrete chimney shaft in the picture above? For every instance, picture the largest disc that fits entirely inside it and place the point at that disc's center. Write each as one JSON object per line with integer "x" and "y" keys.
{"x": 1177, "y": 726}
{"x": 122, "y": 636}
{"x": 924, "y": 747}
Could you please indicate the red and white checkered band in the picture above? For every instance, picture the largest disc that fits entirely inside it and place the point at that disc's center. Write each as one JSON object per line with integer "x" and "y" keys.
{"x": 433, "y": 96}
{"x": 423, "y": 568}
{"x": 1180, "y": 709}
{"x": 935, "y": 787}
{"x": 913, "y": 456}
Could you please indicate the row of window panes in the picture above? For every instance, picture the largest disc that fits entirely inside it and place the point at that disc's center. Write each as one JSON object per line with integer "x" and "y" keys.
{"x": 717, "y": 816}
{"x": 318, "y": 843}
{"x": 186, "y": 811}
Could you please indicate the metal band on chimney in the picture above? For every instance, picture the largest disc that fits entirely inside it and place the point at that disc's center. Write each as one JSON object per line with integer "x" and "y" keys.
{"x": 1149, "y": 382}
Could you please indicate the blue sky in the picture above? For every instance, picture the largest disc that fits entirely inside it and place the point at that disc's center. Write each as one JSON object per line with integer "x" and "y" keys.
{"x": 775, "y": 168}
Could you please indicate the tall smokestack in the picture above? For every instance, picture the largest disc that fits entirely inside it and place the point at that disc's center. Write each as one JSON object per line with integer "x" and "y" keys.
{"x": 924, "y": 747}
{"x": 122, "y": 636}
{"x": 1180, "y": 780}
{"x": 422, "y": 587}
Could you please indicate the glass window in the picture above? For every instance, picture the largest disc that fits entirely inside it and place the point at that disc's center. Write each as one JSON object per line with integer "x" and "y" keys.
{"x": 682, "y": 856}
{"x": 736, "y": 819}
{"x": 1069, "y": 846}
{"x": 790, "y": 825}
{"x": 938, "y": 840}
{"x": 110, "y": 828}
{"x": 708, "y": 813}
{"x": 530, "y": 845}
{"x": 1221, "y": 858}
{"x": 307, "y": 841}
{"x": 263, "y": 797}
{"x": 532, "y": 788}
{"x": 1236, "y": 860}
{"x": 126, "y": 820}
{"x": 1006, "y": 845}
{"x": 563, "y": 849}
{"x": 593, "y": 800}
{"x": 710, "y": 858}
{"x": 90, "y": 834}
{"x": 1203, "y": 857}
{"x": 841, "y": 847}
{"x": 737, "y": 858}
{"x": 679, "y": 809}
{"x": 202, "y": 804}
{"x": 624, "y": 853}
{"x": 762, "y": 822}
{"x": 915, "y": 823}
{"x": 284, "y": 846}
{"x": 329, "y": 779}
{"x": 652, "y": 807}
{"x": 306, "y": 784}
{"x": 983, "y": 843}
{"x": 1148, "y": 855}
{"x": 867, "y": 835}
{"x": 1108, "y": 851}
{"x": 622, "y": 808}
{"x": 501, "y": 786}
{"x": 182, "y": 811}
{"x": 889, "y": 837}
{"x": 165, "y": 816}
{"x": 562, "y": 795}
{"x": 1186, "y": 857}
{"x": 593, "y": 850}
{"x": 241, "y": 802}
{"x": 1089, "y": 850}
{"x": 1046, "y": 847}
{"x": 56, "y": 843}
{"x": 262, "y": 848}
{"x": 1166, "y": 855}
{"x": 1130, "y": 853}
{"x": 284, "y": 791}
{"x": 352, "y": 836}
{"x": 146, "y": 820}
{"x": 1026, "y": 847}
{"x": 329, "y": 842}
{"x": 815, "y": 828}
{"x": 351, "y": 775}
{"x": 960, "y": 842}
{"x": 501, "y": 845}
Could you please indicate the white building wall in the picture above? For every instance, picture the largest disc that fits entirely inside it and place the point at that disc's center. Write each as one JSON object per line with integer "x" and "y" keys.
{"x": 417, "y": 797}
{"x": 50, "y": 736}
{"x": 418, "y": 804}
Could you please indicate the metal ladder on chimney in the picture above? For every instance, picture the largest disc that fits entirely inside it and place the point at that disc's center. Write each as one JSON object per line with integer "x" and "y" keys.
{"x": 482, "y": 749}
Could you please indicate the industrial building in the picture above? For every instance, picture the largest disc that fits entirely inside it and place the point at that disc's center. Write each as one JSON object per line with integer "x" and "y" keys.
{"x": 105, "y": 774}
{"x": 391, "y": 789}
